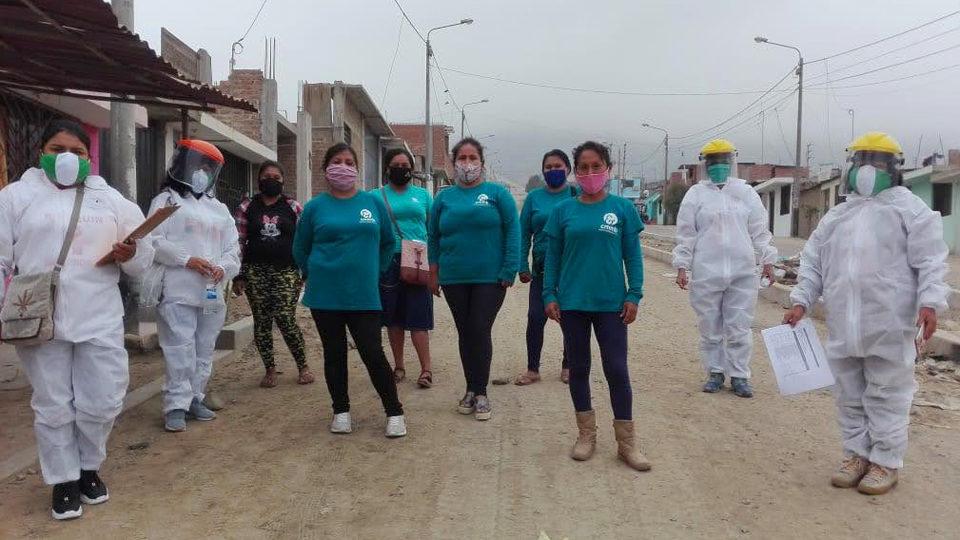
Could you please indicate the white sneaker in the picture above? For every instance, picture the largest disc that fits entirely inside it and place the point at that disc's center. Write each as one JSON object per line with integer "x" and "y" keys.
{"x": 396, "y": 426}
{"x": 341, "y": 423}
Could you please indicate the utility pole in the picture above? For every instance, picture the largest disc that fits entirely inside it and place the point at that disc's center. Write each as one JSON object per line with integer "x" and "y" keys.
{"x": 809, "y": 156}
{"x": 463, "y": 115}
{"x": 763, "y": 125}
{"x": 853, "y": 133}
{"x": 123, "y": 131}
{"x": 666, "y": 151}
{"x": 428, "y": 159}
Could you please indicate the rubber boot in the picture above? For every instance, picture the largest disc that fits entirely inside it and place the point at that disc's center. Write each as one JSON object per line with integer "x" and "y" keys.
{"x": 627, "y": 447}
{"x": 587, "y": 439}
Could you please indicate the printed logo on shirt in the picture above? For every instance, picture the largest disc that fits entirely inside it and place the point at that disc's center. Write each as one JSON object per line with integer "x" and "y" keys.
{"x": 609, "y": 226}
{"x": 270, "y": 230}
{"x": 483, "y": 200}
{"x": 366, "y": 216}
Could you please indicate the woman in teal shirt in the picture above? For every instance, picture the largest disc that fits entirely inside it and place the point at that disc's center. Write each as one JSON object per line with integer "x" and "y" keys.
{"x": 406, "y": 306}
{"x": 592, "y": 239}
{"x": 474, "y": 255}
{"x": 344, "y": 242}
{"x": 533, "y": 218}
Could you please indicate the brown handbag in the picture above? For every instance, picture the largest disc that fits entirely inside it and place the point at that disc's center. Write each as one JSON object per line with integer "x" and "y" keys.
{"x": 414, "y": 262}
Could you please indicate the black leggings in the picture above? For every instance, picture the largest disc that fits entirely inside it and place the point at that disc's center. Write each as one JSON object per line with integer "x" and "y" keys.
{"x": 365, "y": 328}
{"x": 474, "y": 308}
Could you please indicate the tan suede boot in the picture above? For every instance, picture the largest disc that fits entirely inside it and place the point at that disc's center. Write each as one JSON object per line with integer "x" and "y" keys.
{"x": 627, "y": 448}
{"x": 587, "y": 439}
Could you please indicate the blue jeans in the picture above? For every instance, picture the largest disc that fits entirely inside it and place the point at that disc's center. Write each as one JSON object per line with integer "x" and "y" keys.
{"x": 612, "y": 338}
{"x": 536, "y": 321}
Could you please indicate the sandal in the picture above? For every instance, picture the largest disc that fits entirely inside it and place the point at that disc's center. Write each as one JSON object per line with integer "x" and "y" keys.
{"x": 269, "y": 379}
{"x": 399, "y": 374}
{"x": 565, "y": 376}
{"x": 426, "y": 379}
{"x": 306, "y": 377}
{"x": 526, "y": 378}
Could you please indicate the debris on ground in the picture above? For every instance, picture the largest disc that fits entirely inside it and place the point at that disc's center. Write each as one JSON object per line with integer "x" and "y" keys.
{"x": 139, "y": 446}
{"x": 502, "y": 381}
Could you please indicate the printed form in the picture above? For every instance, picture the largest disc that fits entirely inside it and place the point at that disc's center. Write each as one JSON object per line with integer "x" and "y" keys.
{"x": 797, "y": 357}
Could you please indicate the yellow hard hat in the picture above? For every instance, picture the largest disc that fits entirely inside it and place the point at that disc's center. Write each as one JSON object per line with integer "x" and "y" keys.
{"x": 717, "y": 146}
{"x": 875, "y": 141}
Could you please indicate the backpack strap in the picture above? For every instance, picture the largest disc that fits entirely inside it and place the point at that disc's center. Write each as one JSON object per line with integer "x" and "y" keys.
{"x": 71, "y": 229}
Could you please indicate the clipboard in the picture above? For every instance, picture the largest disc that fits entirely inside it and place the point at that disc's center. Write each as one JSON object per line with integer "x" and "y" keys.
{"x": 143, "y": 230}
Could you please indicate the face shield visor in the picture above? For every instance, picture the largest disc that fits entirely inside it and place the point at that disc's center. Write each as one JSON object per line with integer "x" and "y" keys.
{"x": 196, "y": 164}
{"x": 867, "y": 173}
{"x": 717, "y": 168}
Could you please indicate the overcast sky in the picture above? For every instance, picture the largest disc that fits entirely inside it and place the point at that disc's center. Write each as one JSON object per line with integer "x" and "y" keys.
{"x": 653, "y": 46}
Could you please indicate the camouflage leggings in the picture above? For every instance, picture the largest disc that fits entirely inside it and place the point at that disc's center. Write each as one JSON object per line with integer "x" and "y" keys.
{"x": 273, "y": 294}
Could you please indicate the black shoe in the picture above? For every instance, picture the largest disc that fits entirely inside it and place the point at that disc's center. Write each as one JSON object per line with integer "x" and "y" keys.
{"x": 714, "y": 383}
{"x": 66, "y": 501}
{"x": 741, "y": 387}
{"x": 92, "y": 489}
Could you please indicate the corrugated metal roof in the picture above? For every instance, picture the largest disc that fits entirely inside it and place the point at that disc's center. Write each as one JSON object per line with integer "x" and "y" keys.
{"x": 77, "y": 48}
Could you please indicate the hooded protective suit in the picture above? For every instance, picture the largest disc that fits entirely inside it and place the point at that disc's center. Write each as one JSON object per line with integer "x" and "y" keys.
{"x": 876, "y": 261}
{"x": 79, "y": 378}
{"x": 721, "y": 234}
{"x": 188, "y": 327}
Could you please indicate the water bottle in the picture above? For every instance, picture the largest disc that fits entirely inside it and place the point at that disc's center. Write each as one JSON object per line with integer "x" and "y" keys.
{"x": 211, "y": 299}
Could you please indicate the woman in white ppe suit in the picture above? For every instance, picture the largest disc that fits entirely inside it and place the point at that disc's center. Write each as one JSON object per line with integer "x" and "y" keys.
{"x": 879, "y": 260}
{"x": 79, "y": 378}
{"x": 200, "y": 251}
{"x": 722, "y": 232}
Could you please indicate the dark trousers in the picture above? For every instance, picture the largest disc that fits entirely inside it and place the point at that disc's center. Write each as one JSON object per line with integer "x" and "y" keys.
{"x": 474, "y": 308}
{"x": 364, "y": 326}
{"x": 536, "y": 321}
{"x": 273, "y": 294}
{"x": 612, "y": 337}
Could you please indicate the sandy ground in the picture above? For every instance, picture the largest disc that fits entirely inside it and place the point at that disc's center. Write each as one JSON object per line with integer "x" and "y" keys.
{"x": 723, "y": 466}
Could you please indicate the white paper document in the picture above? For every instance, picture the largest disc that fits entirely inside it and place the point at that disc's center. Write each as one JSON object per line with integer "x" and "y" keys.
{"x": 798, "y": 359}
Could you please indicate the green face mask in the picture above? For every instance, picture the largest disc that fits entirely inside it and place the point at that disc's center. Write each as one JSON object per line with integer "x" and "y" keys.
{"x": 719, "y": 172}
{"x": 868, "y": 180}
{"x": 66, "y": 169}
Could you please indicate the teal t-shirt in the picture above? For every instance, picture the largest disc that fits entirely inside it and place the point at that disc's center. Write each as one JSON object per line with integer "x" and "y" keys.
{"x": 475, "y": 235}
{"x": 342, "y": 246}
{"x": 410, "y": 209}
{"x": 589, "y": 246}
{"x": 533, "y": 218}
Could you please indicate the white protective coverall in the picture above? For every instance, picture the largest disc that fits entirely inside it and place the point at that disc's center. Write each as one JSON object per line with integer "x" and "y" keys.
{"x": 876, "y": 261}
{"x": 721, "y": 235}
{"x": 79, "y": 378}
{"x": 188, "y": 332}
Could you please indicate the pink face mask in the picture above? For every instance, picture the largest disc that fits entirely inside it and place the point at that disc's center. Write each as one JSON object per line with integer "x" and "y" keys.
{"x": 591, "y": 184}
{"x": 341, "y": 177}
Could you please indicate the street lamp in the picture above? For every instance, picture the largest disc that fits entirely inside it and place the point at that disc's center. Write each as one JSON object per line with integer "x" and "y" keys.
{"x": 429, "y": 133}
{"x": 795, "y": 192}
{"x": 463, "y": 115}
{"x": 486, "y": 137}
{"x": 666, "y": 151}
{"x": 852, "y": 116}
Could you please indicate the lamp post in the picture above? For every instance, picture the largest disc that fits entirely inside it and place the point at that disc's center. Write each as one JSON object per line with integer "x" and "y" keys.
{"x": 429, "y": 128}
{"x": 666, "y": 151}
{"x": 463, "y": 114}
{"x": 852, "y": 114}
{"x": 795, "y": 191}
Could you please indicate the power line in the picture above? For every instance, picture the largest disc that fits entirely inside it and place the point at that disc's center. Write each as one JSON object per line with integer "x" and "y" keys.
{"x": 598, "y": 90}
{"x": 775, "y": 106}
{"x": 872, "y": 43}
{"x": 897, "y": 64}
{"x": 954, "y": 66}
{"x": 782, "y": 136}
{"x": 405, "y": 16}
{"x": 881, "y": 55}
{"x": 741, "y": 111}
{"x": 393, "y": 63}
{"x": 254, "y": 21}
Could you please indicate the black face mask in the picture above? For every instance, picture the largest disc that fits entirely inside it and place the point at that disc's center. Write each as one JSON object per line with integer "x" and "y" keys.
{"x": 399, "y": 175}
{"x": 270, "y": 188}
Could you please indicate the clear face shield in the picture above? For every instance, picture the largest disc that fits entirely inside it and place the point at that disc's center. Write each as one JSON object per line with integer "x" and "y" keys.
{"x": 194, "y": 169}
{"x": 867, "y": 173}
{"x": 717, "y": 168}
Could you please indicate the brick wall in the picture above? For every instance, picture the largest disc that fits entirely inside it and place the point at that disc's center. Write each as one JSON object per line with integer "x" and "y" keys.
{"x": 953, "y": 158}
{"x": 322, "y": 139}
{"x": 287, "y": 158}
{"x": 244, "y": 84}
{"x": 414, "y": 135}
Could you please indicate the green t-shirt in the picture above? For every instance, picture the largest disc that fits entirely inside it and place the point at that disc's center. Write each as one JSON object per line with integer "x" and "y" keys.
{"x": 533, "y": 218}
{"x": 589, "y": 246}
{"x": 410, "y": 209}
{"x": 475, "y": 235}
{"x": 342, "y": 246}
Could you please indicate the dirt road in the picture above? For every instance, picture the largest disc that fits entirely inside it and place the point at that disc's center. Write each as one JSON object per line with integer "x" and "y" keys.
{"x": 723, "y": 466}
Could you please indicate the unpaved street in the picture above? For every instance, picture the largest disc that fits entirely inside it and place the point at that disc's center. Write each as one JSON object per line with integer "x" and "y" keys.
{"x": 723, "y": 466}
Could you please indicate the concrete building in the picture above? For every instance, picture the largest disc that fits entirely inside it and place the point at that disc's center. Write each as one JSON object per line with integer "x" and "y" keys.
{"x": 345, "y": 113}
{"x": 775, "y": 194}
{"x": 817, "y": 197}
{"x": 939, "y": 187}
{"x": 753, "y": 173}
{"x": 415, "y": 137}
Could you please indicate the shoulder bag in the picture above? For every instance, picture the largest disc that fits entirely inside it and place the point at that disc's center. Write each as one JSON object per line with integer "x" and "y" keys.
{"x": 414, "y": 263}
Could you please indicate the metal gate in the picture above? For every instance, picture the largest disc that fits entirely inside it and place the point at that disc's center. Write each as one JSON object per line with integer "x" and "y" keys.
{"x": 21, "y": 126}
{"x": 234, "y": 183}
